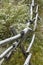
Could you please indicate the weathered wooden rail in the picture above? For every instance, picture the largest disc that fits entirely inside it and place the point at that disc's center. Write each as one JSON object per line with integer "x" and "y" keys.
{"x": 22, "y": 36}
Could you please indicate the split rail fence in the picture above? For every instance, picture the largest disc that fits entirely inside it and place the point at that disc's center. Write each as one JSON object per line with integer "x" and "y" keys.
{"x": 22, "y": 37}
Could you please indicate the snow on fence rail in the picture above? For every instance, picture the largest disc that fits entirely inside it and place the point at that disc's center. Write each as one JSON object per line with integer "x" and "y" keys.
{"x": 21, "y": 35}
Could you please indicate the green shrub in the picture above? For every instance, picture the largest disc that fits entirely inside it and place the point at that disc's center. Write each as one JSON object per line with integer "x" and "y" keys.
{"x": 11, "y": 15}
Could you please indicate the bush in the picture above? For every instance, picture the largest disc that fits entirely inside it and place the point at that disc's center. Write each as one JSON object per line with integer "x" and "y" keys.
{"x": 11, "y": 15}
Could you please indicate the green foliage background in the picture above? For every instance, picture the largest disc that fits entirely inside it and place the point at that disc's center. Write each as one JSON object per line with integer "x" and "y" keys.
{"x": 14, "y": 12}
